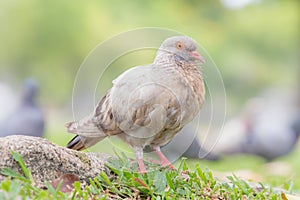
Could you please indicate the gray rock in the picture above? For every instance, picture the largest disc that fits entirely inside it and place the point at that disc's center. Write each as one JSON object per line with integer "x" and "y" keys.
{"x": 48, "y": 161}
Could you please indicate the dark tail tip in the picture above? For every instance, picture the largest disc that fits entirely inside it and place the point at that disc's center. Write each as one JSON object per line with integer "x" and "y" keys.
{"x": 76, "y": 144}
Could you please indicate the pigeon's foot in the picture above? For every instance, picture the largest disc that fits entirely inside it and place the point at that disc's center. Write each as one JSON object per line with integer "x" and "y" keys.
{"x": 152, "y": 160}
{"x": 138, "y": 151}
{"x": 163, "y": 159}
{"x": 163, "y": 163}
{"x": 142, "y": 167}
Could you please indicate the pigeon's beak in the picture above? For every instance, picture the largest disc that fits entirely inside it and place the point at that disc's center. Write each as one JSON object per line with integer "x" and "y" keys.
{"x": 197, "y": 56}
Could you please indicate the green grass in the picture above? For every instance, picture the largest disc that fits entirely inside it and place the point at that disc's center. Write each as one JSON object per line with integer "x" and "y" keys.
{"x": 158, "y": 183}
{"x": 258, "y": 166}
{"x": 228, "y": 164}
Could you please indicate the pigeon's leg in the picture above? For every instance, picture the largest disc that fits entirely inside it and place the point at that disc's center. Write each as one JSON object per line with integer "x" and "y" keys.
{"x": 163, "y": 160}
{"x": 138, "y": 151}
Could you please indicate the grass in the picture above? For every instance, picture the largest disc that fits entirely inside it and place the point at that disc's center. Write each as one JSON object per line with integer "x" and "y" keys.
{"x": 227, "y": 165}
{"x": 288, "y": 179}
{"x": 158, "y": 183}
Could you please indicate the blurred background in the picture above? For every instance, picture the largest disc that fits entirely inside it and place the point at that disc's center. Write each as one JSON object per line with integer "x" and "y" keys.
{"x": 254, "y": 43}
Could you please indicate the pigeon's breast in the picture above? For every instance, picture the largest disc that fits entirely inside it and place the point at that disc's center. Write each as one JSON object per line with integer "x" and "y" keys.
{"x": 187, "y": 86}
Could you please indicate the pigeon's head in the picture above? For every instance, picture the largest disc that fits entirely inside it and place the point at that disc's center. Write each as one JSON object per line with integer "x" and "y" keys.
{"x": 30, "y": 89}
{"x": 183, "y": 47}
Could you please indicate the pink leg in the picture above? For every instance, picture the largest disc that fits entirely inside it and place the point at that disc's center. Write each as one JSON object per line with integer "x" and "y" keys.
{"x": 163, "y": 160}
{"x": 154, "y": 161}
{"x": 138, "y": 151}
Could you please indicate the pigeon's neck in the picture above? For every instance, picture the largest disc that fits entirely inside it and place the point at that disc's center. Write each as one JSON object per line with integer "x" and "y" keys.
{"x": 164, "y": 58}
{"x": 188, "y": 71}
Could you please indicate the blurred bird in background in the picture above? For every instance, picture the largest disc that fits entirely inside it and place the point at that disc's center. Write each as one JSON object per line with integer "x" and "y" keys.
{"x": 269, "y": 127}
{"x": 27, "y": 118}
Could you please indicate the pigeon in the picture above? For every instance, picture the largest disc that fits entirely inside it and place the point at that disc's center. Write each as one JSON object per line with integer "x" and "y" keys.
{"x": 271, "y": 140}
{"x": 273, "y": 132}
{"x": 149, "y": 104}
{"x": 27, "y": 118}
{"x": 269, "y": 127}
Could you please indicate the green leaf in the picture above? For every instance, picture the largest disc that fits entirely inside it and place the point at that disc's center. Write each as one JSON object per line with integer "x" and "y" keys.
{"x": 51, "y": 189}
{"x": 105, "y": 178}
{"x": 17, "y": 157}
{"x": 11, "y": 173}
{"x": 5, "y": 185}
{"x": 170, "y": 181}
{"x": 160, "y": 182}
{"x": 182, "y": 165}
{"x": 14, "y": 189}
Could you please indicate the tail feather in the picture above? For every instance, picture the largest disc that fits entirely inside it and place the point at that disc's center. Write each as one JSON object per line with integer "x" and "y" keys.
{"x": 88, "y": 134}
{"x": 85, "y": 127}
{"x": 80, "y": 142}
{"x": 77, "y": 127}
{"x": 76, "y": 143}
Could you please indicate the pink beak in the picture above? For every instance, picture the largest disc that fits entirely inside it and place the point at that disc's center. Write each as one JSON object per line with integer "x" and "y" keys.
{"x": 197, "y": 56}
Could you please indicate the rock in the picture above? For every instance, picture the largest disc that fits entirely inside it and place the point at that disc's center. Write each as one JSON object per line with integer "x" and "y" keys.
{"x": 48, "y": 161}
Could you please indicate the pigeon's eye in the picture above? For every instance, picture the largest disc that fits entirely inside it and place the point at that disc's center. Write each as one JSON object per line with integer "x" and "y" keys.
{"x": 179, "y": 45}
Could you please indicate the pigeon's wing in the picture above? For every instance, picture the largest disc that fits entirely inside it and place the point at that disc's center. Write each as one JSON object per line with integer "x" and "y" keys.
{"x": 139, "y": 98}
{"x": 101, "y": 122}
{"x": 97, "y": 125}
{"x": 143, "y": 103}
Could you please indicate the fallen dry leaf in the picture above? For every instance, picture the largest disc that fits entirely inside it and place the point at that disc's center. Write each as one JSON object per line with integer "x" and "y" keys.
{"x": 67, "y": 182}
